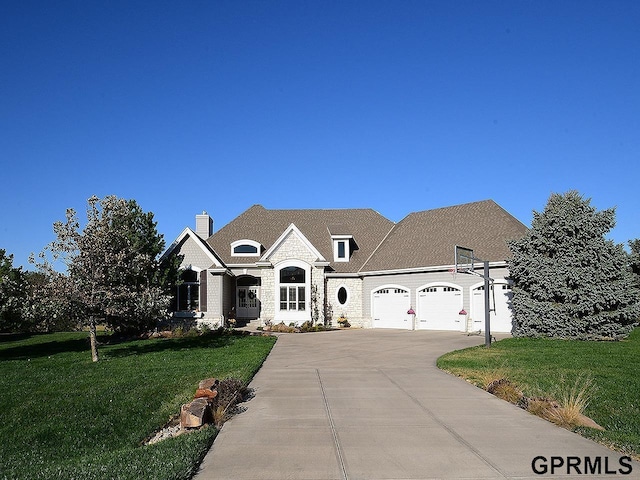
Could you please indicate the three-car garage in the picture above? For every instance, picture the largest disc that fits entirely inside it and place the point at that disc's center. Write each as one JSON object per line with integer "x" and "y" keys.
{"x": 440, "y": 306}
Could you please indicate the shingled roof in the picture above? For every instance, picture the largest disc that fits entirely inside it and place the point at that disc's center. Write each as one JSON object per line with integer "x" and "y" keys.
{"x": 428, "y": 238}
{"x": 265, "y": 226}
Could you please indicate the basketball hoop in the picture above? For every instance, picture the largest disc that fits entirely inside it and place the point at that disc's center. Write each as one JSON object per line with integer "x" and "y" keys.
{"x": 452, "y": 271}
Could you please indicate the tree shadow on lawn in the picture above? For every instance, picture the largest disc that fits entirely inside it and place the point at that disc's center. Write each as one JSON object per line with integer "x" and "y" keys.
{"x": 141, "y": 347}
{"x": 45, "y": 349}
{"x": 14, "y": 337}
{"x": 114, "y": 347}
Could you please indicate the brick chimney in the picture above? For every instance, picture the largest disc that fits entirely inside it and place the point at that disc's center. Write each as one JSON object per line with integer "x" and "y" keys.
{"x": 204, "y": 225}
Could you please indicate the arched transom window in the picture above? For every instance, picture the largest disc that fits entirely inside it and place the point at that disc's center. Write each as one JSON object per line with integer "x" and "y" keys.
{"x": 293, "y": 289}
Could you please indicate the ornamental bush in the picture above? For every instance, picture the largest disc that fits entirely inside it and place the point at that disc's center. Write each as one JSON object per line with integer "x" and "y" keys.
{"x": 568, "y": 280}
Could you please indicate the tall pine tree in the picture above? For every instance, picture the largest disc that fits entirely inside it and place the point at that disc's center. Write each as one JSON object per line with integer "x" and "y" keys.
{"x": 569, "y": 281}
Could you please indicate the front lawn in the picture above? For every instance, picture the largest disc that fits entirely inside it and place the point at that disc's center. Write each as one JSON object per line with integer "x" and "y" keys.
{"x": 546, "y": 367}
{"x": 63, "y": 416}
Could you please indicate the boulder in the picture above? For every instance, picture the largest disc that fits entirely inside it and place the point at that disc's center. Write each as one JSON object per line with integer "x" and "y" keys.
{"x": 195, "y": 413}
{"x": 210, "y": 395}
{"x": 209, "y": 383}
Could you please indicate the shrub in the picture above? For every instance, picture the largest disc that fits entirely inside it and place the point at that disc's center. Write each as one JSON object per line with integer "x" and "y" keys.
{"x": 231, "y": 392}
{"x": 282, "y": 328}
{"x": 310, "y": 327}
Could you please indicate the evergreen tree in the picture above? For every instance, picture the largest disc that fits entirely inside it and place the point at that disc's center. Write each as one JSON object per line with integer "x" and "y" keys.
{"x": 569, "y": 281}
{"x": 635, "y": 258}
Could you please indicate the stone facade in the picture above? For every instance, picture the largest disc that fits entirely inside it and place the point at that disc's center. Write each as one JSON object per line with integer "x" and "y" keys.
{"x": 292, "y": 249}
{"x": 352, "y": 308}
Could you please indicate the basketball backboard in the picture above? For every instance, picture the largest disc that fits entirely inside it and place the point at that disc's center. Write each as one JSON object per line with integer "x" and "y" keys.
{"x": 463, "y": 259}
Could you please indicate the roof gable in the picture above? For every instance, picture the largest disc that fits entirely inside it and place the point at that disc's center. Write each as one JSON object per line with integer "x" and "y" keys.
{"x": 206, "y": 249}
{"x": 292, "y": 230}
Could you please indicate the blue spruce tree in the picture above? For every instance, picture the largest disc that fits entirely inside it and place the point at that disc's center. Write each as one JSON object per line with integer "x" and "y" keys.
{"x": 569, "y": 281}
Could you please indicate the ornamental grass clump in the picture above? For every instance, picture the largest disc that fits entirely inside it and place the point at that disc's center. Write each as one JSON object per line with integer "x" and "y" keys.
{"x": 572, "y": 401}
{"x": 505, "y": 390}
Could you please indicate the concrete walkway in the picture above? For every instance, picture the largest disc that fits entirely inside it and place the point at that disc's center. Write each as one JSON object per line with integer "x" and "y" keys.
{"x": 364, "y": 404}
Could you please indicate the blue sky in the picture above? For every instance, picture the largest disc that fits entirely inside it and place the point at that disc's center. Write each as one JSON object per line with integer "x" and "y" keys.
{"x": 398, "y": 106}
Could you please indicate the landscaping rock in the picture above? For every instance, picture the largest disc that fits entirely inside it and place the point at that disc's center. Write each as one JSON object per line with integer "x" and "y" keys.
{"x": 165, "y": 433}
{"x": 209, "y": 383}
{"x": 195, "y": 413}
{"x": 210, "y": 395}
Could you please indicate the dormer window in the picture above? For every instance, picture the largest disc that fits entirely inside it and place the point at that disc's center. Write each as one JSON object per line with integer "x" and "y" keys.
{"x": 245, "y": 248}
{"x": 341, "y": 247}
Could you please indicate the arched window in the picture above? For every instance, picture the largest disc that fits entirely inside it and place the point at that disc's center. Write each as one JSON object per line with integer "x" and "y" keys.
{"x": 188, "y": 291}
{"x": 292, "y": 275}
{"x": 293, "y": 289}
{"x": 245, "y": 248}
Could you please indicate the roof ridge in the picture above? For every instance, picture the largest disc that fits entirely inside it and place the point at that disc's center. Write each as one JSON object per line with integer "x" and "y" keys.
{"x": 377, "y": 247}
{"x": 339, "y": 209}
{"x": 465, "y": 204}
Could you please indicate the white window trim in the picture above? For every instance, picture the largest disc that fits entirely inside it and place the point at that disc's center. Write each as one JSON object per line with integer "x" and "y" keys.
{"x": 347, "y": 247}
{"x": 296, "y": 316}
{"x": 245, "y": 241}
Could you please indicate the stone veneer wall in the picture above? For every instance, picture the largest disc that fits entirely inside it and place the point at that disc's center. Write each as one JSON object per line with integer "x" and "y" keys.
{"x": 352, "y": 309}
{"x": 267, "y": 295}
{"x": 292, "y": 248}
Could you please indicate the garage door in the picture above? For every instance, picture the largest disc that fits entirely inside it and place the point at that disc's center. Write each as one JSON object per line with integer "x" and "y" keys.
{"x": 389, "y": 308}
{"x": 439, "y": 307}
{"x": 501, "y": 318}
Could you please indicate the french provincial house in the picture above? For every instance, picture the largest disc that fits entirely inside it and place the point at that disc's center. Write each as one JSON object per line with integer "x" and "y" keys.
{"x": 294, "y": 266}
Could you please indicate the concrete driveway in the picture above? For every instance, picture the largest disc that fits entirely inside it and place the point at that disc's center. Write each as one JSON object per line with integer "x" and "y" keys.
{"x": 371, "y": 404}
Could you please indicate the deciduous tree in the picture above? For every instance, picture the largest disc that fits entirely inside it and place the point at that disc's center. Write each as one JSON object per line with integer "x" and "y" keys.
{"x": 569, "y": 280}
{"x": 113, "y": 266}
{"x": 12, "y": 295}
{"x": 49, "y": 304}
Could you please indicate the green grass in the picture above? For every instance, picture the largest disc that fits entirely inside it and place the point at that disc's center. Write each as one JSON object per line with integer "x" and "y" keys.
{"x": 546, "y": 367}
{"x": 63, "y": 416}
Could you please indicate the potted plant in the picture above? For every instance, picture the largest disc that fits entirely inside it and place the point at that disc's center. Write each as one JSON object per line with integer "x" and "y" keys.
{"x": 343, "y": 322}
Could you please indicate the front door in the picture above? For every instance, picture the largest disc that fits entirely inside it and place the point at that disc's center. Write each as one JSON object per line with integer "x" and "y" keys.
{"x": 247, "y": 302}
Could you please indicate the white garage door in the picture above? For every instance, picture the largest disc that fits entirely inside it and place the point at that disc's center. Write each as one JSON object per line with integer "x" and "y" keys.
{"x": 439, "y": 308}
{"x": 389, "y": 308}
{"x": 501, "y": 318}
